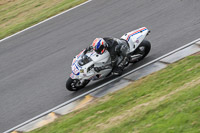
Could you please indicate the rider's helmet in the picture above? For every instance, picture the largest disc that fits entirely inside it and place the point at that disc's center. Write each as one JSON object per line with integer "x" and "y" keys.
{"x": 99, "y": 45}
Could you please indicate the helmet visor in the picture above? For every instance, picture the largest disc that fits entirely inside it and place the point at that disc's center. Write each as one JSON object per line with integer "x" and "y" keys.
{"x": 100, "y": 50}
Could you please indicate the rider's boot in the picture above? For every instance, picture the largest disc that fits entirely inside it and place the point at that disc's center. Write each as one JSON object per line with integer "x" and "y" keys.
{"x": 118, "y": 70}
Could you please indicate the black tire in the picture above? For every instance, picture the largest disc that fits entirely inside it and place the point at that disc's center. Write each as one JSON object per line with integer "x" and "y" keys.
{"x": 70, "y": 82}
{"x": 147, "y": 47}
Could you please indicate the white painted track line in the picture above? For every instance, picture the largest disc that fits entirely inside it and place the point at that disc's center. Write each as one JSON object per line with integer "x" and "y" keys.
{"x": 44, "y": 21}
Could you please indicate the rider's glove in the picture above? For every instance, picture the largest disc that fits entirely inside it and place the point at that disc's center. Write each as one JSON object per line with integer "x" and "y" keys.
{"x": 87, "y": 49}
{"x": 85, "y": 52}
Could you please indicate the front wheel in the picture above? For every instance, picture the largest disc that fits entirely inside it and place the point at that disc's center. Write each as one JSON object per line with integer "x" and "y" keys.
{"x": 75, "y": 84}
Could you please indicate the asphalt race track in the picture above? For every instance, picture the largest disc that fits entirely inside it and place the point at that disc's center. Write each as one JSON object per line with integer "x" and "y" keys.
{"x": 35, "y": 64}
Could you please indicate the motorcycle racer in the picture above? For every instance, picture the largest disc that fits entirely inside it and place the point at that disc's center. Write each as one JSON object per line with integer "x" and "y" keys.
{"x": 116, "y": 47}
{"x": 108, "y": 56}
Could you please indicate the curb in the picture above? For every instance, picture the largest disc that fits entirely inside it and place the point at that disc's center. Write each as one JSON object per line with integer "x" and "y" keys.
{"x": 111, "y": 86}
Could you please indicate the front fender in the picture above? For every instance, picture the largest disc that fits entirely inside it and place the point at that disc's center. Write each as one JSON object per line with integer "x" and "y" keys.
{"x": 73, "y": 76}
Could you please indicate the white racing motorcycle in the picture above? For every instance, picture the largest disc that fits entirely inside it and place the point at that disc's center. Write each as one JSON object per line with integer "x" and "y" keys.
{"x": 83, "y": 65}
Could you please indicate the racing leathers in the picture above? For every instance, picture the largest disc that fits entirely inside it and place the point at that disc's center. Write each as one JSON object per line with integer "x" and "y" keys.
{"x": 117, "y": 48}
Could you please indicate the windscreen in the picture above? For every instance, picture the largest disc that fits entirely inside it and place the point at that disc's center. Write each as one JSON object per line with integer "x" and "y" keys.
{"x": 85, "y": 59}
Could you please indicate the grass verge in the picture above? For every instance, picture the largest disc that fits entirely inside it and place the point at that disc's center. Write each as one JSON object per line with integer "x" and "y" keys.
{"x": 165, "y": 101}
{"x": 17, "y": 15}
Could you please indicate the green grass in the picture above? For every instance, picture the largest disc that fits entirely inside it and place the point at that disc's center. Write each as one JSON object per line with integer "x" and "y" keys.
{"x": 167, "y": 101}
{"x": 17, "y": 15}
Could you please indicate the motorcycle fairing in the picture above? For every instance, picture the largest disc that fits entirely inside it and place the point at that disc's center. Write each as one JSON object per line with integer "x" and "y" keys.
{"x": 135, "y": 37}
{"x": 97, "y": 60}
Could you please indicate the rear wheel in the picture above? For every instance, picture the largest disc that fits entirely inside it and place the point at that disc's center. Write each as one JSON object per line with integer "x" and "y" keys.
{"x": 144, "y": 48}
{"x": 75, "y": 84}
{"x": 141, "y": 52}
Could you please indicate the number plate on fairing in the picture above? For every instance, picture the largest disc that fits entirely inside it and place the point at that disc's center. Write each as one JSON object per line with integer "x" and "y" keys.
{"x": 75, "y": 70}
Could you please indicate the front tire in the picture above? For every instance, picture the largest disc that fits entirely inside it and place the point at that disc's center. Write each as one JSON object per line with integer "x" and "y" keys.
{"x": 74, "y": 84}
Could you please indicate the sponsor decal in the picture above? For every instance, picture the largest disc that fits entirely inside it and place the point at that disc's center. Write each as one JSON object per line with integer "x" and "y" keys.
{"x": 139, "y": 37}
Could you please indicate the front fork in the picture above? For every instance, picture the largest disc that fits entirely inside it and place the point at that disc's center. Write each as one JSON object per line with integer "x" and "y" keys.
{"x": 78, "y": 82}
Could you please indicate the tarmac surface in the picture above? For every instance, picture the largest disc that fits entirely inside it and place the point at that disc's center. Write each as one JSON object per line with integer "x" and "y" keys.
{"x": 36, "y": 63}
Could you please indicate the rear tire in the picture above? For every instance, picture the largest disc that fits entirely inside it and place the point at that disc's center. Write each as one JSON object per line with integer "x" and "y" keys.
{"x": 72, "y": 84}
{"x": 143, "y": 49}
{"x": 147, "y": 46}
